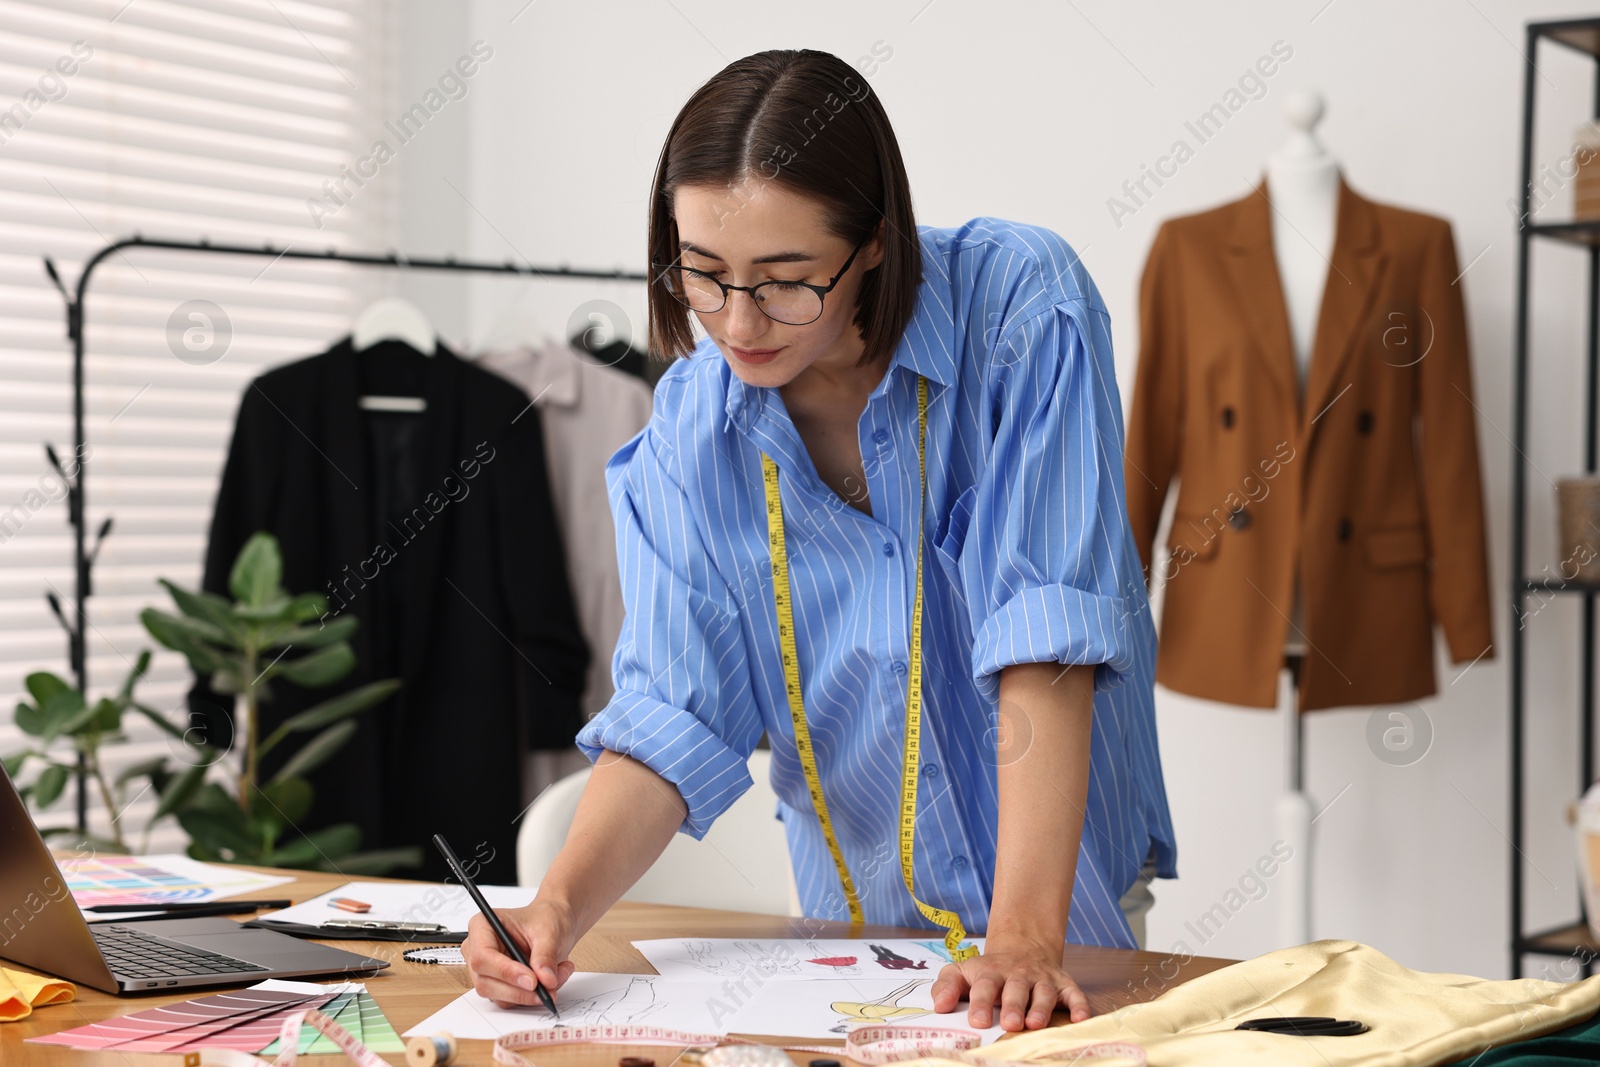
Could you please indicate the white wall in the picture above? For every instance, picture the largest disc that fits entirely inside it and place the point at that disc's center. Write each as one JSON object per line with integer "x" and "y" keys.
{"x": 1040, "y": 112}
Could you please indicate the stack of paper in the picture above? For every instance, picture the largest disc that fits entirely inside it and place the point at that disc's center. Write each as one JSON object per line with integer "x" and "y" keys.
{"x": 248, "y": 1020}
{"x": 791, "y": 988}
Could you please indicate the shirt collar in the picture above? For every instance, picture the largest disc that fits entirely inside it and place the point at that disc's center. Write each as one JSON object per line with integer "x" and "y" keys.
{"x": 927, "y": 347}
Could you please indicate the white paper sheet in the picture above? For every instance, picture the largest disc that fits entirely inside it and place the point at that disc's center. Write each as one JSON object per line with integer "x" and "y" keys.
{"x": 711, "y": 957}
{"x": 449, "y": 905}
{"x": 592, "y": 999}
{"x": 825, "y": 1008}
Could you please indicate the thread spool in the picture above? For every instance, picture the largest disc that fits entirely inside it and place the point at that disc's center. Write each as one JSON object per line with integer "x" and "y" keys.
{"x": 432, "y": 1051}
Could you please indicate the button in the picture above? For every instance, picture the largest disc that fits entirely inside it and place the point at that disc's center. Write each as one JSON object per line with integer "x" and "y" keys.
{"x": 959, "y": 863}
{"x": 931, "y": 770}
{"x": 1239, "y": 519}
{"x": 899, "y": 667}
{"x": 1364, "y": 422}
{"x": 881, "y": 436}
{"x": 888, "y": 550}
{"x": 1344, "y": 529}
{"x": 1227, "y": 418}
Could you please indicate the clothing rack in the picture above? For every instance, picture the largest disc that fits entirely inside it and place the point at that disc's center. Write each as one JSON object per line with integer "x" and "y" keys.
{"x": 83, "y": 557}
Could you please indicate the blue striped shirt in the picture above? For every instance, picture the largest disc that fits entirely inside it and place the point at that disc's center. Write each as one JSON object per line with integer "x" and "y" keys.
{"x": 1028, "y": 558}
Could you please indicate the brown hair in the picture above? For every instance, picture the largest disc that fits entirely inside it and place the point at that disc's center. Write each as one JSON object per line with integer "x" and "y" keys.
{"x": 808, "y": 121}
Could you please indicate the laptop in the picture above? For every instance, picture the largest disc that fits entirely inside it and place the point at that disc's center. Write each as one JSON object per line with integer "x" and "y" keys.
{"x": 42, "y": 928}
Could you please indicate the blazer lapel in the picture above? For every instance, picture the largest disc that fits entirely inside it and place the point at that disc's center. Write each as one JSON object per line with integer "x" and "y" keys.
{"x": 1253, "y": 270}
{"x": 1353, "y": 277}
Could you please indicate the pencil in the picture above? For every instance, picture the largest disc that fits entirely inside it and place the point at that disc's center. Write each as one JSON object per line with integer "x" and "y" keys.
{"x": 494, "y": 920}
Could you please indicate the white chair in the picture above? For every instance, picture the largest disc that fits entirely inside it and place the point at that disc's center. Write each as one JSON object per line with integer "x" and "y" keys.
{"x": 742, "y": 864}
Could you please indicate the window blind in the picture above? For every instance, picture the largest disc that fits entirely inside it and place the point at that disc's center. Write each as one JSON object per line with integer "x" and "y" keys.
{"x": 199, "y": 118}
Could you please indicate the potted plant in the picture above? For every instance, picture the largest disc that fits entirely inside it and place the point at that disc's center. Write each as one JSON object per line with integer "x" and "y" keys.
{"x": 58, "y": 711}
{"x": 245, "y": 645}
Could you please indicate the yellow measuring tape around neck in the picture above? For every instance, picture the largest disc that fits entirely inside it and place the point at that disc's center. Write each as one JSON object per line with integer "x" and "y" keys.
{"x": 955, "y": 933}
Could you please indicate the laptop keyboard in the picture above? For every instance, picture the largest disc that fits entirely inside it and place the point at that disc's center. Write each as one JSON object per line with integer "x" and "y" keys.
{"x": 135, "y": 954}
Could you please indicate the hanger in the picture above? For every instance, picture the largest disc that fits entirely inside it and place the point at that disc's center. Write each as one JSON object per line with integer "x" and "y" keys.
{"x": 393, "y": 319}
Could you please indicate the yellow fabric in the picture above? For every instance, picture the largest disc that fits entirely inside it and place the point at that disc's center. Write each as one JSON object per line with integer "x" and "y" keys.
{"x": 1417, "y": 1019}
{"x": 21, "y": 992}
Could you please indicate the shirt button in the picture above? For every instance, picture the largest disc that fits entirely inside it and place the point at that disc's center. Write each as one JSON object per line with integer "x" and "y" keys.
{"x": 881, "y": 436}
{"x": 888, "y": 550}
{"x": 931, "y": 770}
{"x": 959, "y": 863}
{"x": 898, "y": 667}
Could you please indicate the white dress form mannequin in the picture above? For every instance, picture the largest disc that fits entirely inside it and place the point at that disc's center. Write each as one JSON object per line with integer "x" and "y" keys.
{"x": 1303, "y": 188}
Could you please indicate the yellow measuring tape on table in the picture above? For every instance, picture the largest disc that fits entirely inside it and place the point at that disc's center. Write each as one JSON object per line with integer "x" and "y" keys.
{"x": 869, "y": 1043}
{"x": 783, "y": 599}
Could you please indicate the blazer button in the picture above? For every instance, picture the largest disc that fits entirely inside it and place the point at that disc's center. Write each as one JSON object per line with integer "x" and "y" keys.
{"x": 1227, "y": 418}
{"x": 1239, "y": 518}
{"x": 1364, "y": 422}
{"x": 1344, "y": 529}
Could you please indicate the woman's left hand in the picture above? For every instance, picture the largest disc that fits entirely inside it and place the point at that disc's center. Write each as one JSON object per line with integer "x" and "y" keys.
{"x": 1026, "y": 978}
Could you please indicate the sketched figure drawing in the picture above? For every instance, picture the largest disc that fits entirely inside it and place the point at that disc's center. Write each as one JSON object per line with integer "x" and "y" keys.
{"x": 614, "y": 1007}
{"x": 766, "y": 960}
{"x": 889, "y": 958}
{"x": 845, "y": 966}
{"x": 703, "y": 958}
{"x": 883, "y": 1009}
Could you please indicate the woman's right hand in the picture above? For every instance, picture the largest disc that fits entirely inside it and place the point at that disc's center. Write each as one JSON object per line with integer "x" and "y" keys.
{"x": 544, "y": 932}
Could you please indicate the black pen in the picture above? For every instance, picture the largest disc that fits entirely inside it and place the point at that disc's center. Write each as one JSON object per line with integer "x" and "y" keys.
{"x": 180, "y": 907}
{"x": 494, "y": 920}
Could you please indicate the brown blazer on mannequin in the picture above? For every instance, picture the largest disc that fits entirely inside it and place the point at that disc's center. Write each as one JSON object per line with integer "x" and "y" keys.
{"x": 1369, "y": 488}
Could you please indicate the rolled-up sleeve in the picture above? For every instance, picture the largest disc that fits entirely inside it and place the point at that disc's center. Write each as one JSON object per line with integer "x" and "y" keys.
{"x": 683, "y": 703}
{"x": 1044, "y": 563}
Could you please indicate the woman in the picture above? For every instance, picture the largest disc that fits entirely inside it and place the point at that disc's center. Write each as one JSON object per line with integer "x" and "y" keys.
{"x": 882, "y": 499}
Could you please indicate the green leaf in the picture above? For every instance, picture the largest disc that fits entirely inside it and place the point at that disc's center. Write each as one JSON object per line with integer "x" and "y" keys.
{"x": 140, "y": 668}
{"x": 142, "y": 769}
{"x": 221, "y": 831}
{"x": 378, "y": 861}
{"x": 178, "y": 635}
{"x": 326, "y": 844}
{"x": 212, "y": 797}
{"x": 106, "y": 717}
{"x": 288, "y": 800}
{"x": 258, "y": 571}
{"x": 13, "y": 763}
{"x": 171, "y": 728}
{"x": 316, "y": 751}
{"x": 60, "y": 711}
{"x": 30, "y": 720}
{"x": 331, "y": 711}
{"x": 338, "y": 629}
{"x": 52, "y": 780}
{"x": 319, "y": 668}
{"x": 308, "y": 606}
{"x": 43, "y": 686}
{"x": 273, "y": 609}
{"x": 191, "y": 630}
{"x": 207, "y": 607}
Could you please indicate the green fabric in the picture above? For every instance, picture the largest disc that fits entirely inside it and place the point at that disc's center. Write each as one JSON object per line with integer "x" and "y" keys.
{"x": 1575, "y": 1044}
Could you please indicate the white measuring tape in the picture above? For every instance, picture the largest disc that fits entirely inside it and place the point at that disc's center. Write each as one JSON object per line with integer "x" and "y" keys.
{"x": 869, "y": 1044}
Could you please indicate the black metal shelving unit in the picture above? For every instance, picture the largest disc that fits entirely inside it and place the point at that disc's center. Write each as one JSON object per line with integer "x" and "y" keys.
{"x": 1572, "y": 940}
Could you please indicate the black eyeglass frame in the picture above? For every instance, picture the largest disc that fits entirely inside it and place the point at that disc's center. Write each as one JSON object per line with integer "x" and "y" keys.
{"x": 822, "y": 291}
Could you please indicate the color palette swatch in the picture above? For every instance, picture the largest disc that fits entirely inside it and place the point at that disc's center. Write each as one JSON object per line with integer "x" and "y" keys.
{"x": 158, "y": 879}
{"x": 246, "y": 1020}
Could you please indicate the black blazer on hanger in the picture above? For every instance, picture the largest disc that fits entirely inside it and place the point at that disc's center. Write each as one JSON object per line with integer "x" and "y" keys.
{"x": 437, "y": 531}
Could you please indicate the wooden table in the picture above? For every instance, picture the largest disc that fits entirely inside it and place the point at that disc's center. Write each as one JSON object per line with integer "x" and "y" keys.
{"x": 410, "y": 992}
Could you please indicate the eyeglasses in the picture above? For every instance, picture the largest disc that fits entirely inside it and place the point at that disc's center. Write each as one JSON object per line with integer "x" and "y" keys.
{"x": 791, "y": 303}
